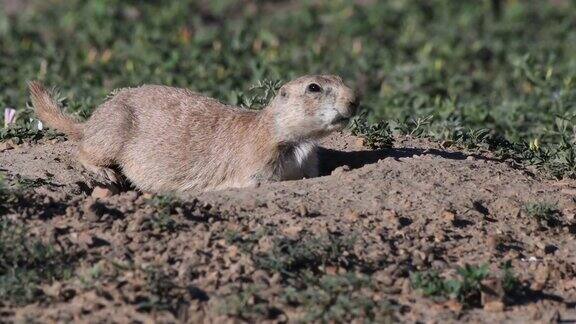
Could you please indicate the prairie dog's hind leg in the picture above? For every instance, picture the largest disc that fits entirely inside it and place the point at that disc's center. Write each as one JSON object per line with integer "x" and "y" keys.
{"x": 104, "y": 138}
{"x": 99, "y": 167}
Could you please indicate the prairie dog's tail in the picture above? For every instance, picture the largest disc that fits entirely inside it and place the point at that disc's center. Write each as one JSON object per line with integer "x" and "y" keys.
{"x": 50, "y": 113}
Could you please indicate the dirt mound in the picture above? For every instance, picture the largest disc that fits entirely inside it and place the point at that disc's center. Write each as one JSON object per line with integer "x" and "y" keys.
{"x": 413, "y": 233}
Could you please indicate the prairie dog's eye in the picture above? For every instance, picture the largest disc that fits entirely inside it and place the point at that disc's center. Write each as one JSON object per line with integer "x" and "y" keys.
{"x": 313, "y": 87}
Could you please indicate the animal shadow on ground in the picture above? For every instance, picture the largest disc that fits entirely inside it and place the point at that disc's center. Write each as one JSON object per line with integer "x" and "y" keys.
{"x": 524, "y": 296}
{"x": 331, "y": 159}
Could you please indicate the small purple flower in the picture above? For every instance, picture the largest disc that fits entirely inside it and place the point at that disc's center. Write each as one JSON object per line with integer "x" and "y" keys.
{"x": 9, "y": 116}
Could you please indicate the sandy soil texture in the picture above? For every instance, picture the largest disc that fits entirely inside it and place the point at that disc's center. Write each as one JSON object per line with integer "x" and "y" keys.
{"x": 344, "y": 246}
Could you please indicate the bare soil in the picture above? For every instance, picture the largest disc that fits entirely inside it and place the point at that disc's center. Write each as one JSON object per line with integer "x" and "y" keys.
{"x": 415, "y": 207}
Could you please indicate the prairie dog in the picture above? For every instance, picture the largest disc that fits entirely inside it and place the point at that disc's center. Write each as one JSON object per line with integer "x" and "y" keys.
{"x": 167, "y": 139}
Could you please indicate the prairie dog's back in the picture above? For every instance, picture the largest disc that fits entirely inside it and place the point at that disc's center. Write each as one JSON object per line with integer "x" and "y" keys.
{"x": 173, "y": 132}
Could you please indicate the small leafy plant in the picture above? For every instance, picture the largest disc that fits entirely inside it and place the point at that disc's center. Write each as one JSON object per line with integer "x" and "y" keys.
{"x": 543, "y": 211}
{"x": 510, "y": 282}
{"x": 27, "y": 262}
{"x": 466, "y": 288}
{"x": 164, "y": 205}
{"x": 291, "y": 257}
{"x": 302, "y": 264}
{"x": 162, "y": 293}
{"x": 337, "y": 298}
{"x": 247, "y": 304}
{"x": 376, "y": 135}
{"x": 7, "y": 196}
{"x": 259, "y": 95}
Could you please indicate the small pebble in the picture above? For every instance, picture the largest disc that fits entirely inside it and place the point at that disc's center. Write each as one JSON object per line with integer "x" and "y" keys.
{"x": 340, "y": 170}
{"x": 494, "y": 306}
{"x": 92, "y": 211}
{"x": 302, "y": 210}
{"x": 454, "y": 305}
{"x": 351, "y": 215}
{"x": 102, "y": 192}
{"x": 448, "y": 216}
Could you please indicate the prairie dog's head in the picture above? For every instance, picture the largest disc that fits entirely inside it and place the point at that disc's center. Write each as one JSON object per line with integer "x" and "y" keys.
{"x": 312, "y": 106}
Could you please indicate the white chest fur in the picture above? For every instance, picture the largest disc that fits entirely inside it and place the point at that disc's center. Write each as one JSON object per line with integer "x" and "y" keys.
{"x": 300, "y": 161}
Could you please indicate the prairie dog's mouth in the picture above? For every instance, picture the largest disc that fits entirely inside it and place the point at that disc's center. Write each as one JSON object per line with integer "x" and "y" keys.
{"x": 340, "y": 120}
{"x": 338, "y": 123}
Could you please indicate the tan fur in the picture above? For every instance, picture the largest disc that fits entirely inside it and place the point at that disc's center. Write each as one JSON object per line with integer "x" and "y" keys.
{"x": 50, "y": 113}
{"x": 168, "y": 139}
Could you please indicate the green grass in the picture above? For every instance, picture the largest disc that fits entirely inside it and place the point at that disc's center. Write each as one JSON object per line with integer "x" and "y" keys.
{"x": 246, "y": 303}
{"x": 338, "y": 298}
{"x": 510, "y": 283}
{"x": 258, "y": 96}
{"x": 24, "y": 183}
{"x": 307, "y": 286}
{"x": 27, "y": 262}
{"x": 376, "y": 135}
{"x": 467, "y": 287}
{"x": 293, "y": 257}
{"x": 503, "y": 82}
{"x": 161, "y": 220}
{"x": 325, "y": 298}
{"x": 162, "y": 292}
{"x": 7, "y": 197}
{"x": 543, "y": 211}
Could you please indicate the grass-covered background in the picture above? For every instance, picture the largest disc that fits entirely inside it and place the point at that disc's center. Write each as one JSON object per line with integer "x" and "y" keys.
{"x": 490, "y": 74}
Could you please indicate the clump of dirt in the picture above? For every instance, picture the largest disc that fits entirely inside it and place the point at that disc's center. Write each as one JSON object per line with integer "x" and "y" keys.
{"x": 411, "y": 233}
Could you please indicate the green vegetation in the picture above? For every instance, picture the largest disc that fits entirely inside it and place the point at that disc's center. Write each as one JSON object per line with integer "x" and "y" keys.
{"x": 510, "y": 282}
{"x": 158, "y": 289}
{"x": 302, "y": 264}
{"x": 246, "y": 304}
{"x": 292, "y": 257}
{"x": 479, "y": 77}
{"x": 338, "y": 298}
{"x": 258, "y": 95}
{"x": 376, "y": 135}
{"x": 325, "y": 298}
{"x": 24, "y": 183}
{"x": 296, "y": 257}
{"x": 161, "y": 220}
{"x": 19, "y": 132}
{"x": 543, "y": 211}
{"x": 27, "y": 262}
{"x": 162, "y": 292}
{"x": 7, "y": 196}
{"x": 467, "y": 288}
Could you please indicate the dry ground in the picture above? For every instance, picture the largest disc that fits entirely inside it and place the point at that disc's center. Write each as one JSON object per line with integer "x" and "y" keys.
{"x": 335, "y": 247}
